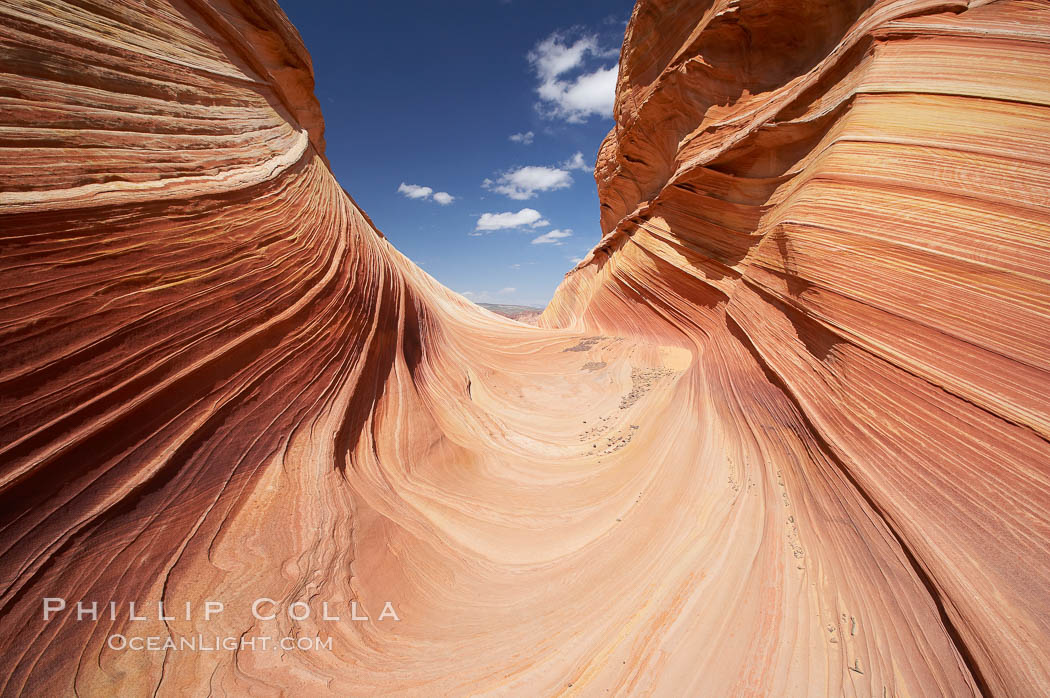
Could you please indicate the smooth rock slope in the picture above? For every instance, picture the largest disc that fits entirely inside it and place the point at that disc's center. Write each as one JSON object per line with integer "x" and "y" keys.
{"x": 784, "y": 432}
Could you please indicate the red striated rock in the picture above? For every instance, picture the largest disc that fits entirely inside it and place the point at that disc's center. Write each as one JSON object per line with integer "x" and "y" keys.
{"x": 842, "y": 210}
{"x": 784, "y": 431}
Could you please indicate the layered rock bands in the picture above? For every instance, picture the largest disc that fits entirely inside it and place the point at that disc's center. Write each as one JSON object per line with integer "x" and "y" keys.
{"x": 784, "y": 431}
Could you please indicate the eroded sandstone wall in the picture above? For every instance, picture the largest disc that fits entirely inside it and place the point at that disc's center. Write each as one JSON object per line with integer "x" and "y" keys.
{"x": 784, "y": 433}
{"x": 847, "y": 204}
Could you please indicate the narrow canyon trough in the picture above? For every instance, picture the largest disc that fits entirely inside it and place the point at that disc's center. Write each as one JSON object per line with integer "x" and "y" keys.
{"x": 784, "y": 431}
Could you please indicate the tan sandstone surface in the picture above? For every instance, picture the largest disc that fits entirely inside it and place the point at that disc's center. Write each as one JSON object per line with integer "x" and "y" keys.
{"x": 784, "y": 432}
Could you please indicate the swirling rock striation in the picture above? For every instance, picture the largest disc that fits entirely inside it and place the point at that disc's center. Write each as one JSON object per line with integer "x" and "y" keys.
{"x": 783, "y": 432}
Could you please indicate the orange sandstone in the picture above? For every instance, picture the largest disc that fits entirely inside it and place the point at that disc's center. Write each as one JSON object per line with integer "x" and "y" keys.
{"x": 784, "y": 432}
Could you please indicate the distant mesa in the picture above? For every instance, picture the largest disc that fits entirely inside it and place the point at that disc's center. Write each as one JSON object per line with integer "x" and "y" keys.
{"x": 522, "y": 313}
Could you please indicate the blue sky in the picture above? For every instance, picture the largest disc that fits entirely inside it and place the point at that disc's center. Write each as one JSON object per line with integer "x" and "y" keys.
{"x": 422, "y": 101}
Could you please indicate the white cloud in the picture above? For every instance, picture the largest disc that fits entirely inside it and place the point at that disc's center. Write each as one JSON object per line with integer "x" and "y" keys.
{"x": 416, "y": 191}
{"x": 573, "y": 98}
{"x": 508, "y": 219}
{"x": 576, "y": 162}
{"x": 515, "y": 266}
{"x": 505, "y": 291}
{"x": 552, "y": 56}
{"x": 552, "y": 237}
{"x": 589, "y": 94}
{"x": 575, "y": 260}
{"x": 540, "y": 223}
{"x": 523, "y": 138}
{"x": 523, "y": 183}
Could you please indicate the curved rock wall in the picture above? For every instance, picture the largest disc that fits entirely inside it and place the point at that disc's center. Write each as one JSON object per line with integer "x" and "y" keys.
{"x": 847, "y": 204}
{"x": 784, "y": 432}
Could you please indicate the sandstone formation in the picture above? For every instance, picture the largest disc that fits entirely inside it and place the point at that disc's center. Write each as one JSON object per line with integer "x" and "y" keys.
{"x": 784, "y": 432}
